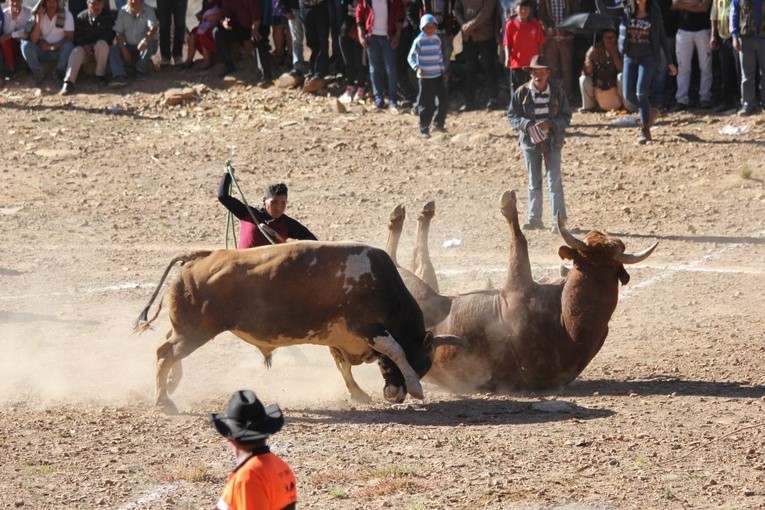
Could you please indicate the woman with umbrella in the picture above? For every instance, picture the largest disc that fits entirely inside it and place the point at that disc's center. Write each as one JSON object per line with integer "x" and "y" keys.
{"x": 641, "y": 41}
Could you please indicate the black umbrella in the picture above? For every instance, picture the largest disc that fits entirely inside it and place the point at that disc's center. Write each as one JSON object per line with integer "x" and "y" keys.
{"x": 588, "y": 23}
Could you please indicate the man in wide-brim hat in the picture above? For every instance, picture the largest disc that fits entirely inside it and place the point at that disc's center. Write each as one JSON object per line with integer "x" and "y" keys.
{"x": 540, "y": 111}
{"x": 260, "y": 480}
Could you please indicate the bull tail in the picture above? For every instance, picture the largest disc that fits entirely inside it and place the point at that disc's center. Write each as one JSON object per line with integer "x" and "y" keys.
{"x": 143, "y": 322}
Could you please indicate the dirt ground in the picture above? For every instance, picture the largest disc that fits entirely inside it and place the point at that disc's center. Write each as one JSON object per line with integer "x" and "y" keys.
{"x": 101, "y": 189}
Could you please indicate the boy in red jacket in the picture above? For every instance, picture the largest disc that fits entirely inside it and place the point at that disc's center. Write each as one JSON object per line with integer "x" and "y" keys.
{"x": 524, "y": 38}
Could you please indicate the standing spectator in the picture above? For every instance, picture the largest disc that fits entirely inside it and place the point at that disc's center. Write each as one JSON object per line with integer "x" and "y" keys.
{"x": 353, "y": 54}
{"x": 172, "y": 22}
{"x": 93, "y": 34}
{"x": 16, "y": 17}
{"x": 747, "y": 21}
{"x": 135, "y": 37}
{"x": 291, "y": 11}
{"x": 380, "y": 23}
{"x": 560, "y": 44}
{"x": 242, "y": 20}
{"x": 600, "y": 83}
{"x": 200, "y": 38}
{"x": 693, "y": 32}
{"x": 641, "y": 41}
{"x": 524, "y": 38}
{"x": 477, "y": 22}
{"x": 722, "y": 43}
{"x": 427, "y": 60}
{"x": 447, "y": 28}
{"x": 315, "y": 14}
{"x": 260, "y": 480}
{"x": 539, "y": 109}
{"x": 51, "y": 39}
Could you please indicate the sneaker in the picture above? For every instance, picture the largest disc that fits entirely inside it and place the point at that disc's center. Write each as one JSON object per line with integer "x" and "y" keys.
{"x": 467, "y": 107}
{"x": 178, "y": 61}
{"x": 67, "y": 88}
{"x": 165, "y": 62}
{"x": 706, "y": 105}
{"x": 747, "y": 110}
{"x": 347, "y": 96}
{"x": 679, "y": 107}
{"x": 264, "y": 83}
{"x": 379, "y": 104}
{"x": 424, "y": 133}
{"x": 360, "y": 95}
{"x": 60, "y": 74}
{"x": 314, "y": 84}
{"x": 101, "y": 81}
{"x": 439, "y": 128}
{"x": 492, "y": 104}
{"x": 723, "y": 107}
{"x": 227, "y": 69}
{"x": 118, "y": 81}
{"x": 533, "y": 224}
{"x": 393, "y": 108}
{"x": 645, "y": 135}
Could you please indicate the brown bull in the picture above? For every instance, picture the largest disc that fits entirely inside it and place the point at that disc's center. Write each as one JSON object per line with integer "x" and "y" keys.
{"x": 346, "y": 296}
{"x": 528, "y": 335}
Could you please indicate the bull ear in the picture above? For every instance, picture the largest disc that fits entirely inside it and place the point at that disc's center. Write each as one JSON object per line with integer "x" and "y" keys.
{"x": 623, "y": 275}
{"x": 565, "y": 252}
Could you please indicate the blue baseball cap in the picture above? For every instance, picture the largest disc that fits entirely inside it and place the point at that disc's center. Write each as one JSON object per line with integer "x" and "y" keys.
{"x": 428, "y": 18}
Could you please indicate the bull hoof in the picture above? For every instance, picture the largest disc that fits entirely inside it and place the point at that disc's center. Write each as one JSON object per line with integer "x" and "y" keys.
{"x": 429, "y": 209}
{"x": 394, "y": 394}
{"x": 507, "y": 203}
{"x": 166, "y": 407}
{"x": 361, "y": 397}
{"x": 398, "y": 214}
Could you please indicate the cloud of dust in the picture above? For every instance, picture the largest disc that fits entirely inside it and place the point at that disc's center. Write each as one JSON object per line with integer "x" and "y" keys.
{"x": 79, "y": 347}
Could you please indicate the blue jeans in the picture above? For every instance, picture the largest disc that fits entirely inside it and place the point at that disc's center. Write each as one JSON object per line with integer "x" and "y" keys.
{"x": 117, "y": 66}
{"x": 297, "y": 32}
{"x": 636, "y": 79}
{"x": 551, "y": 156}
{"x": 36, "y": 57}
{"x": 382, "y": 64}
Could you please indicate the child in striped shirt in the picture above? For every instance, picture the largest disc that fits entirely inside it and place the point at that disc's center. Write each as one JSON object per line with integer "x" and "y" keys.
{"x": 426, "y": 59}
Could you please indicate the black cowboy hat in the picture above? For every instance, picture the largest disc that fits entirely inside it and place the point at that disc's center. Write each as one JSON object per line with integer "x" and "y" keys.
{"x": 537, "y": 62}
{"x": 246, "y": 419}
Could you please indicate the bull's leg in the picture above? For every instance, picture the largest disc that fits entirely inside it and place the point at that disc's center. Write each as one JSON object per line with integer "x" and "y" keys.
{"x": 176, "y": 371}
{"x": 170, "y": 354}
{"x": 519, "y": 268}
{"x": 387, "y": 346}
{"x": 395, "y": 226}
{"x": 344, "y": 367}
{"x": 421, "y": 264}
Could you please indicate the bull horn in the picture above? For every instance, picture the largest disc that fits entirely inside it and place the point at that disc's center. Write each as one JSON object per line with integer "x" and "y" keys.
{"x": 629, "y": 258}
{"x": 449, "y": 340}
{"x": 568, "y": 237}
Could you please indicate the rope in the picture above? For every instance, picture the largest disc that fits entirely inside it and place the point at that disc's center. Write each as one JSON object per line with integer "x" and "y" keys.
{"x": 230, "y": 216}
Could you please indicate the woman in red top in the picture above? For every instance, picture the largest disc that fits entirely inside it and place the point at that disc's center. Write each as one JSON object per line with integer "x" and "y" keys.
{"x": 524, "y": 38}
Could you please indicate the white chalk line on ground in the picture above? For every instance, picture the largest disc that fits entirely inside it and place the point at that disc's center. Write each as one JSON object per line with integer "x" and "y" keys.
{"x": 154, "y": 495}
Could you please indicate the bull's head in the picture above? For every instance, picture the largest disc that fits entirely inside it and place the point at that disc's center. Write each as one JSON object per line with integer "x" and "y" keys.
{"x": 420, "y": 361}
{"x": 598, "y": 244}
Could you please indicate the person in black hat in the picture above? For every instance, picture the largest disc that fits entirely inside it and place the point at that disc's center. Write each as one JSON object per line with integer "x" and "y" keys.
{"x": 260, "y": 480}
{"x": 539, "y": 109}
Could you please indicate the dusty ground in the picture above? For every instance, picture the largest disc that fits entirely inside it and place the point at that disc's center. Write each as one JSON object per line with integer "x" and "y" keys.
{"x": 98, "y": 191}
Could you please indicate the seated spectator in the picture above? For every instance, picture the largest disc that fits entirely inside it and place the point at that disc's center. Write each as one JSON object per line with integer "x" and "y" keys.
{"x": 136, "y": 37}
{"x": 600, "y": 82}
{"x": 93, "y": 34}
{"x": 201, "y": 37}
{"x": 50, "y": 41}
{"x": 16, "y": 18}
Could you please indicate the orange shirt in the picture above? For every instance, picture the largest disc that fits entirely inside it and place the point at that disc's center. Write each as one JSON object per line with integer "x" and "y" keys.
{"x": 262, "y": 482}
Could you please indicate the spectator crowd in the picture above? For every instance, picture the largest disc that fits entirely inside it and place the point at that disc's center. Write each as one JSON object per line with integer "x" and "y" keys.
{"x": 652, "y": 56}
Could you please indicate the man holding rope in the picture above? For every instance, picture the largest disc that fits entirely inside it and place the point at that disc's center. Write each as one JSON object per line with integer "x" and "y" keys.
{"x": 269, "y": 218}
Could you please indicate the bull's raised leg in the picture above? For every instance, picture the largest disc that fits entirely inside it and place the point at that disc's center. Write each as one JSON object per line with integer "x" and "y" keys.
{"x": 387, "y": 346}
{"x": 519, "y": 268}
{"x": 395, "y": 226}
{"x": 344, "y": 367}
{"x": 421, "y": 264}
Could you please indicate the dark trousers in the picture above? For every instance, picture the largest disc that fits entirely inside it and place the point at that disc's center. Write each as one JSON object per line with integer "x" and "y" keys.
{"x": 175, "y": 10}
{"x": 517, "y": 78}
{"x": 479, "y": 56}
{"x": 316, "y": 21}
{"x": 224, "y": 38}
{"x": 262, "y": 51}
{"x": 432, "y": 89}
{"x": 729, "y": 72}
{"x": 353, "y": 56}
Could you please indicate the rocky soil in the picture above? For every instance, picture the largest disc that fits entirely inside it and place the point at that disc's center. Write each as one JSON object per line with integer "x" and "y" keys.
{"x": 100, "y": 190}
